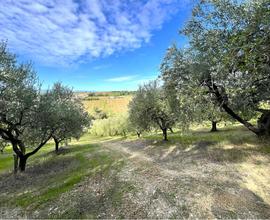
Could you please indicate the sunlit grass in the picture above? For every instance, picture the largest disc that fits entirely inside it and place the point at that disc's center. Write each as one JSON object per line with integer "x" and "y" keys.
{"x": 86, "y": 160}
{"x": 229, "y": 134}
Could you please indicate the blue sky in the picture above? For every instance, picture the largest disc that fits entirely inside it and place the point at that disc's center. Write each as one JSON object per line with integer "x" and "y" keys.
{"x": 93, "y": 45}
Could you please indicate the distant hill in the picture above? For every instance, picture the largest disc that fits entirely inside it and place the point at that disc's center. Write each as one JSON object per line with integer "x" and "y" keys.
{"x": 112, "y": 93}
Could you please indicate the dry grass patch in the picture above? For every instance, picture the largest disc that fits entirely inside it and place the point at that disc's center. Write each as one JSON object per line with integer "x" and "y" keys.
{"x": 111, "y": 105}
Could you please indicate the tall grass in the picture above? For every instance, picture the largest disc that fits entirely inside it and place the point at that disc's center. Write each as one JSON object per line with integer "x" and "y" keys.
{"x": 112, "y": 126}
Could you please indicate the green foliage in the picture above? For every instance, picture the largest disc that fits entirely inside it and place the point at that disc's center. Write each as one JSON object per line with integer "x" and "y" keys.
{"x": 185, "y": 97}
{"x": 227, "y": 61}
{"x": 24, "y": 111}
{"x": 233, "y": 38}
{"x": 3, "y": 144}
{"x": 112, "y": 126}
{"x": 69, "y": 120}
{"x": 30, "y": 118}
{"x": 149, "y": 109}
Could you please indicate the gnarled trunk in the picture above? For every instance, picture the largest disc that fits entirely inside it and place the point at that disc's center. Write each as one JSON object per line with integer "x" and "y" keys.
{"x": 56, "y": 146}
{"x": 15, "y": 158}
{"x": 222, "y": 100}
{"x": 165, "y": 136}
{"x": 56, "y": 142}
{"x": 264, "y": 123}
{"x": 214, "y": 126}
{"x": 22, "y": 163}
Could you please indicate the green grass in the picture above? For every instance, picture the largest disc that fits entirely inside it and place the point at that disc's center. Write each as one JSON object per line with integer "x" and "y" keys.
{"x": 230, "y": 134}
{"x": 6, "y": 159}
{"x": 87, "y": 159}
{"x": 67, "y": 180}
{"x": 6, "y": 162}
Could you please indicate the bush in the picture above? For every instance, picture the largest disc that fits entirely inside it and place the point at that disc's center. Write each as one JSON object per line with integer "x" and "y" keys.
{"x": 99, "y": 114}
{"x": 112, "y": 126}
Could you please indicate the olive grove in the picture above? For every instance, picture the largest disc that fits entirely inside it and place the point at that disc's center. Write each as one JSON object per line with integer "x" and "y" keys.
{"x": 29, "y": 118}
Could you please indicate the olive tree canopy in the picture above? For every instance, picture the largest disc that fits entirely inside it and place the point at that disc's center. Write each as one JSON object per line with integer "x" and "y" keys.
{"x": 69, "y": 119}
{"x": 229, "y": 58}
{"x": 149, "y": 109}
{"x": 28, "y": 117}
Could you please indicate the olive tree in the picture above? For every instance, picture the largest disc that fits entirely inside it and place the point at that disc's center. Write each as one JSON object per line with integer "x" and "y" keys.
{"x": 23, "y": 111}
{"x": 149, "y": 109}
{"x": 191, "y": 103}
{"x": 229, "y": 58}
{"x": 27, "y": 116}
{"x": 239, "y": 76}
{"x": 69, "y": 119}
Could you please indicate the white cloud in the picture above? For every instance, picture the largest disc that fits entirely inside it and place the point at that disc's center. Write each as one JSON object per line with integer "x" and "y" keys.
{"x": 122, "y": 78}
{"x": 63, "y": 32}
{"x": 99, "y": 67}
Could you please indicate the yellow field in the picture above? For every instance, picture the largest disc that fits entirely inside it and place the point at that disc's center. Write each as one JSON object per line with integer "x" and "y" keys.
{"x": 109, "y": 104}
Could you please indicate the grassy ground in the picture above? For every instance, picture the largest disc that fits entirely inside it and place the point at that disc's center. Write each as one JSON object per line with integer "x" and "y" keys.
{"x": 196, "y": 174}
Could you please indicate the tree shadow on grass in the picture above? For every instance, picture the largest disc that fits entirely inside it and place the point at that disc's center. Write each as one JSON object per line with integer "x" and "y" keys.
{"x": 36, "y": 176}
{"x": 69, "y": 150}
{"x": 233, "y": 145}
{"x": 238, "y": 203}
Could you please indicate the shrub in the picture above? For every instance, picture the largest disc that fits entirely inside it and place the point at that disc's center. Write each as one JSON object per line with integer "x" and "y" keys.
{"x": 112, "y": 126}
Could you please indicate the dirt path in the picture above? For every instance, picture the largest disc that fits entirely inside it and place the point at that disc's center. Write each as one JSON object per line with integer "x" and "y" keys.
{"x": 185, "y": 184}
{"x": 144, "y": 179}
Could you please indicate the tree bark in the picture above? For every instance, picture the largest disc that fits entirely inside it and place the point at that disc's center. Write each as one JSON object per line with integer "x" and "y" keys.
{"x": 22, "y": 163}
{"x": 15, "y": 157}
{"x": 214, "y": 126}
{"x": 56, "y": 144}
{"x": 19, "y": 147}
{"x": 242, "y": 121}
{"x": 171, "y": 130}
{"x": 223, "y": 103}
{"x": 264, "y": 122}
{"x": 165, "y": 136}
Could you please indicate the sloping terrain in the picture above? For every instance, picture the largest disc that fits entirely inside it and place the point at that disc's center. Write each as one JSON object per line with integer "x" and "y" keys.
{"x": 202, "y": 175}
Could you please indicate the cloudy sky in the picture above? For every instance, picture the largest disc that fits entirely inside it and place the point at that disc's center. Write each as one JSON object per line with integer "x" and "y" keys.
{"x": 94, "y": 45}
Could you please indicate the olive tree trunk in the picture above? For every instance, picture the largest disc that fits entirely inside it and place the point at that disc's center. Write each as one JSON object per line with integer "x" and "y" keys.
{"x": 263, "y": 127}
{"x": 22, "y": 163}
{"x": 165, "y": 136}
{"x": 56, "y": 144}
{"x": 214, "y": 126}
{"x": 15, "y": 158}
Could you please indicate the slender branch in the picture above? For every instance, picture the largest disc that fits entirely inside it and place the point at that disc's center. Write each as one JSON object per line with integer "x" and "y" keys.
{"x": 39, "y": 147}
